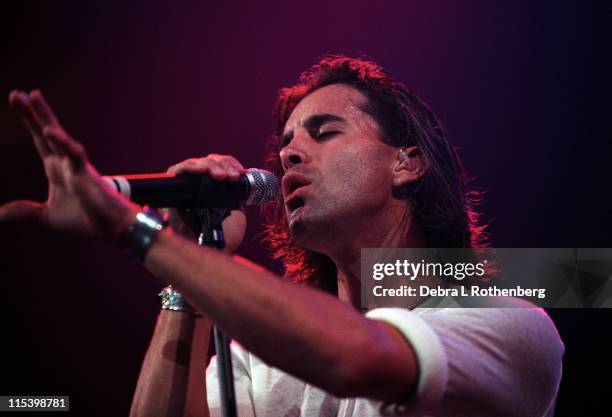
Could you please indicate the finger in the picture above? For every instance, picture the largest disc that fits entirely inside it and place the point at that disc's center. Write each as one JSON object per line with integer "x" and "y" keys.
{"x": 215, "y": 169}
{"x": 230, "y": 164}
{"x": 231, "y": 172}
{"x": 73, "y": 149}
{"x": 21, "y": 210}
{"x": 228, "y": 159}
{"x": 20, "y": 102}
{"x": 177, "y": 168}
{"x": 221, "y": 167}
{"x": 201, "y": 166}
{"x": 42, "y": 109}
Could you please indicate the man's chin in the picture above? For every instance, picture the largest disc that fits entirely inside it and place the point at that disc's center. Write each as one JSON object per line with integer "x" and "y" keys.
{"x": 308, "y": 232}
{"x": 295, "y": 218}
{"x": 298, "y": 228}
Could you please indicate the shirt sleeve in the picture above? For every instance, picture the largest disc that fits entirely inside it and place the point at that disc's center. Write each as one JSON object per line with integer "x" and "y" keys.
{"x": 479, "y": 361}
{"x": 431, "y": 357}
{"x": 242, "y": 384}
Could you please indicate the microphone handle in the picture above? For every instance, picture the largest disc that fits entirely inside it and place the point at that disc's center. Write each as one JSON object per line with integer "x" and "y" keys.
{"x": 185, "y": 191}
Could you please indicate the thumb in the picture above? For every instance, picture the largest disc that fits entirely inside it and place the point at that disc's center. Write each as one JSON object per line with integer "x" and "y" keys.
{"x": 22, "y": 210}
{"x": 234, "y": 228}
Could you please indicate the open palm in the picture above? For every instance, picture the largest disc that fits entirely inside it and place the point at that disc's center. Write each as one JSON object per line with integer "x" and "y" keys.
{"x": 78, "y": 201}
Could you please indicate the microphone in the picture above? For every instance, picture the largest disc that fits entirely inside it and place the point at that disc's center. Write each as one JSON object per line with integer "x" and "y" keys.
{"x": 256, "y": 186}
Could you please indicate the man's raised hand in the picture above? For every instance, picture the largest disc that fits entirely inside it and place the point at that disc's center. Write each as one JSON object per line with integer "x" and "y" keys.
{"x": 78, "y": 201}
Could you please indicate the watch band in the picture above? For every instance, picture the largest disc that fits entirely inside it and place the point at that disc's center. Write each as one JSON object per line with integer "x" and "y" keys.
{"x": 141, "y": 234}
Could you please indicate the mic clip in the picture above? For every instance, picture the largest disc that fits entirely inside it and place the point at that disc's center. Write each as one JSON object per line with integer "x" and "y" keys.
{"x": 211, "y": 229}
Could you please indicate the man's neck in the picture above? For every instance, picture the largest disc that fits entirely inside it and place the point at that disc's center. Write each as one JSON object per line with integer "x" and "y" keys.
{"x": 404, "y": 233}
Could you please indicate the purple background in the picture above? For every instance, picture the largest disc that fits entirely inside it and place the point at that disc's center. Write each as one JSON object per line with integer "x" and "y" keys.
{"x": 522, "y": 86}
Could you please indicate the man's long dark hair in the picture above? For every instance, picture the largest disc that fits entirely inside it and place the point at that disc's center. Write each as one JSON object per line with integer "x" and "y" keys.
{"x": 441, "y": 203}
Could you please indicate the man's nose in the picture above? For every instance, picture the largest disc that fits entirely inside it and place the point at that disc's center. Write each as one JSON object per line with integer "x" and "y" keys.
{"x": 292, "y": 155}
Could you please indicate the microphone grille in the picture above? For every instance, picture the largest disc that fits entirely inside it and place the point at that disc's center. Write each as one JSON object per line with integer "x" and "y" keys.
{"x": 264, "y": 186}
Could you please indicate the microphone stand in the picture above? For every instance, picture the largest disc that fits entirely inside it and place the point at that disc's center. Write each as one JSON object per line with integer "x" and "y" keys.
{"x": 211, "y": 234}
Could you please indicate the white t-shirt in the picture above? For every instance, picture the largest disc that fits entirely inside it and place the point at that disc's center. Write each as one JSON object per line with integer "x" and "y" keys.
{"x": 472, "y": 362}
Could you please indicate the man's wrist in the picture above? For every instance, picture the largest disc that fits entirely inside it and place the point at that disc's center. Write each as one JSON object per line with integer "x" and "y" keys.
{"x": 173, "y": 300}
{"x": 144, "y": 229}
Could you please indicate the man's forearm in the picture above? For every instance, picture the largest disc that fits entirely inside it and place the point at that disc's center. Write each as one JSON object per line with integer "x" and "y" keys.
{"x": 289, "y": 326}
{"x": 162, "y": 385}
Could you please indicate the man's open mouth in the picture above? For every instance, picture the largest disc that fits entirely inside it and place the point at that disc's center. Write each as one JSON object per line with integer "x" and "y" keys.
{"x": 292, "y": 183}
{"x": 294, "y": 203}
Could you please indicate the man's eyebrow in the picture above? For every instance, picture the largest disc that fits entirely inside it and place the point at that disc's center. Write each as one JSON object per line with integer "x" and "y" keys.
{"x": 317, "y": 120}
{"x": 313, "y": 123}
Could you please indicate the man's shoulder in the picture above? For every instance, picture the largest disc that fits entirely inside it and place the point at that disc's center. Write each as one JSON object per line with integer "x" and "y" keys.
{"x": 521, "y": 332}
{"x": 510, "y": 350}
{"x": 504, "y": 315}
{"x": 519, "y": 328}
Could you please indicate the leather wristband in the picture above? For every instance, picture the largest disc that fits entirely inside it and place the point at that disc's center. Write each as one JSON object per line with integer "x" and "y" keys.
{"x": 141, "y": 234}
{"x": 173, "y": 300}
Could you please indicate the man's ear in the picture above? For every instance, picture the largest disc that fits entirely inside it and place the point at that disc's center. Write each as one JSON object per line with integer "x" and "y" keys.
{"x": 409, "y": 167}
